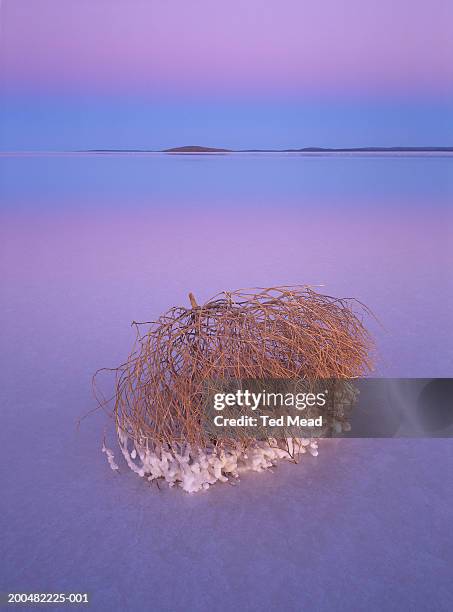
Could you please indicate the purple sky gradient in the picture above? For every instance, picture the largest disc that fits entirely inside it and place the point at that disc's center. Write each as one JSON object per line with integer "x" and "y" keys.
{"x": 243, "y": 52}
{"x": 294, "y": 46}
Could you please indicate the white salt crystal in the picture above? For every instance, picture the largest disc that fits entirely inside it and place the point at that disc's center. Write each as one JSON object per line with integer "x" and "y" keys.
{"x": 197, "y": 469}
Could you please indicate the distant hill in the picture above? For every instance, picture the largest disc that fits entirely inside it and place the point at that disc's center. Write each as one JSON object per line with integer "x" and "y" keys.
{"x": 196, "y": 149}
{"x": 372, "y": 149}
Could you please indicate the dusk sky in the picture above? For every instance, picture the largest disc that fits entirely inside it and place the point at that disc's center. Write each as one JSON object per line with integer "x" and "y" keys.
{"x": 243, "y": 73}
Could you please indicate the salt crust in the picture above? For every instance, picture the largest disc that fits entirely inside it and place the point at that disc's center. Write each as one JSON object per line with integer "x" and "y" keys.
{"x": 197, "y": 469}
{"x": 110, "y": 457}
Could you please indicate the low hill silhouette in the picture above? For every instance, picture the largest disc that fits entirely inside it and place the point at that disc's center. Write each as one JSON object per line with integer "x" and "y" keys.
{"x": 196, "y": 149}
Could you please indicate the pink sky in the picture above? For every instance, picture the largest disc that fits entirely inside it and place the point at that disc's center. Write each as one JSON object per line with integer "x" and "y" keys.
{"x": 249, "y": 46}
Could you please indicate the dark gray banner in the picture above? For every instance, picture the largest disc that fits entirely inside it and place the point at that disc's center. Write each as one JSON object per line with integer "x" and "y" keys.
{"x": 354, "y": 408}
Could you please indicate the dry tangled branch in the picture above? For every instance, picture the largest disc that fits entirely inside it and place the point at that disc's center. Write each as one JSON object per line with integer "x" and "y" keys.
{"x": 279, "y": 332}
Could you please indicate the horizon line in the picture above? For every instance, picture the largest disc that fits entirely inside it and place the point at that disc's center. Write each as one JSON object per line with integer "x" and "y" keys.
{"x": 311, "y": 149}
{"x": 199, "y": 149}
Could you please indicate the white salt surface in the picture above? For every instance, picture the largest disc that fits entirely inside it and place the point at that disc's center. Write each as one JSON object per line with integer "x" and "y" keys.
{"x": 197, "y": 469}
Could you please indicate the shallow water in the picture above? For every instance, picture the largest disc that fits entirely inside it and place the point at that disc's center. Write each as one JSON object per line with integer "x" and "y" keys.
{"x": 101, "y": 240}
{"x": 90, "y": 243}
